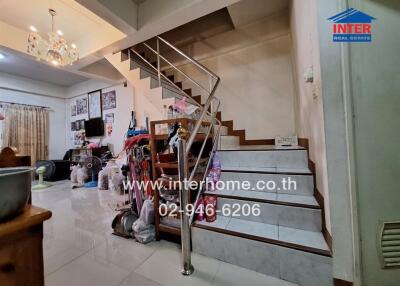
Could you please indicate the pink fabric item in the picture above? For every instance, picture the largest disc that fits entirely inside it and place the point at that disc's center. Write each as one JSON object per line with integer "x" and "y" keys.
{"x": 181, "y": 106}
{"x": 93, "y": 145}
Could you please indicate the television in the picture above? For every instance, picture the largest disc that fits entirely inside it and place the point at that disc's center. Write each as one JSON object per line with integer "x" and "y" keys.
{"x": 94, "y": 127}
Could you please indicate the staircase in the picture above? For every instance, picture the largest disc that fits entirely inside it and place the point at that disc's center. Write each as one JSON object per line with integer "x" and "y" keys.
{"x": 284, "y": 240}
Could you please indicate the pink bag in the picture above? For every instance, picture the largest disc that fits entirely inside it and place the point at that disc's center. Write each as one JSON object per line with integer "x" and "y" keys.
{"x": 210, "y": 207}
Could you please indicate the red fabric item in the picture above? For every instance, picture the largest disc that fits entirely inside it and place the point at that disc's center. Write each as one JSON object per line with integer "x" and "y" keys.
{"x": 146, "y": 178}
{"x": 131, "y": 142}
{"x": 210, "y": 207}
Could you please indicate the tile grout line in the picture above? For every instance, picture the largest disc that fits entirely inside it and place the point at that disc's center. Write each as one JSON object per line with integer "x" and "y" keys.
{"x": 65, "y": 264}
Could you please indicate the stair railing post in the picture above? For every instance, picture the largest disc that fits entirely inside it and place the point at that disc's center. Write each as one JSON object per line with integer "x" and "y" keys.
{"x": 158, "y": 62}
{"x": 184, "y": 202}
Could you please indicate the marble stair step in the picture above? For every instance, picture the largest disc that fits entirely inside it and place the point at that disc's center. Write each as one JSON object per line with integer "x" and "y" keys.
{"x": 286, "y": 236}
{"x": 283, "y": 180}
{"x": 298, "y": 256}
{"x": 228, "y": 141}
{"x": 223, "y": 131}
{"x": 270, "y": 212}
{"x": 268, "y": 197}
{"x": 262, "y": 148}
{"x": 268, "y": 170}
{"x": 264, "y": 156}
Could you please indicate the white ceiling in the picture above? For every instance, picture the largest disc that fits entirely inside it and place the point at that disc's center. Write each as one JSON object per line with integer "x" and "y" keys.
{"x": 22, "y": 65}
{"x": 79, "y": 25}
{"x": 248, "y": 11}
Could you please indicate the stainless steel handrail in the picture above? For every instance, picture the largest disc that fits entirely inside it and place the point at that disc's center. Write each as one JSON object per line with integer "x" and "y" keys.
{"x": 178, "y": 70}
{"x": 167, "y": 79}
{"x": 185, "y": 146}
{"x": 192, "y": 60}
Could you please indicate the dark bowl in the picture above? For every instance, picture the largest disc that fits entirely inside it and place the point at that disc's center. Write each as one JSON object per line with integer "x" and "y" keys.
{"x": 15, "y": 188}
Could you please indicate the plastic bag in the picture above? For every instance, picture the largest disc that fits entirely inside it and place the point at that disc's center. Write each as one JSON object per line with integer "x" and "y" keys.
{"x": 139, "y": 225}
{"x": 147, "y": 235}
{"x": 81, "y": 175}
{"x": 103, "y": 179}
{"x": 147, "y": 212}
{"x": 74, "y": 172}
{"x": 115, "y": 184}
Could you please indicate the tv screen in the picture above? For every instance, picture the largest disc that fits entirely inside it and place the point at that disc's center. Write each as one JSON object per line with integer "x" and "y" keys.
{"x": 94, "y": 127}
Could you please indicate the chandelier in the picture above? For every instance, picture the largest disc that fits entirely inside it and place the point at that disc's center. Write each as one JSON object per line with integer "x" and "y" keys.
{"x": 56, "y": 50}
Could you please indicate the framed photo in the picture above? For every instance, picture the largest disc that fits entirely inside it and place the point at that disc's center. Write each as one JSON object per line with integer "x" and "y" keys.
{"x": 95, "y": 110}
{"x": 109, "y": 100}
{"x": 109, "y": 118}
{"x": 73, "y": 110}
{"x": 81, "y": 106}
{"x": 82, "y": 124}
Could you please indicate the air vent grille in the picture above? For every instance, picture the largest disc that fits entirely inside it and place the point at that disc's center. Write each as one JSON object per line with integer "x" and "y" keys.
{"x": 389, "y": 244}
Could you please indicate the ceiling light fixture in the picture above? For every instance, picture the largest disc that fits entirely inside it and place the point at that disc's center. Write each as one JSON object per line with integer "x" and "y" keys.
{"x": 2, "y": 56}
{"x": 56, "y": 50}
{"x": 32, "y": 28}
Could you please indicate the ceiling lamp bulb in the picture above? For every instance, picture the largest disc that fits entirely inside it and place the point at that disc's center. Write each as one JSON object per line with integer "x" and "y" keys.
{"x": 54, "y": 62}
{"x": 73, "y": 46}
{"x": 59, "y": 32}
{"x": 32, "y": 28}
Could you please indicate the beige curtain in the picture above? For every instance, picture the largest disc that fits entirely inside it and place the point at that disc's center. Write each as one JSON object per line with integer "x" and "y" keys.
{"x": 26, "y": 128}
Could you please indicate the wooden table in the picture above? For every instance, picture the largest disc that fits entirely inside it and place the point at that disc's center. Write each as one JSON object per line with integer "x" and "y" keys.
{"x": 21, "y": 249}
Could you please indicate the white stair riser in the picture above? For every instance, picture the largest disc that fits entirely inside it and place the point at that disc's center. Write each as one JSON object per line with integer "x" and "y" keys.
{"x": 262, "y": 159}
{"x": 223, "y": 130}
{"x": 228, "y": 141}
{"x": 303, "y": 268}
{"x": 304, "y": 184}
{"x": 283, "y": 215}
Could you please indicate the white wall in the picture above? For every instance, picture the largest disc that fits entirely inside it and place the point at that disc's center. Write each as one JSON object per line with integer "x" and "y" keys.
{"x": 337, "y": 123}
{"x": 23, "y": 90}
{"x": 148, "y": 102}
{"x": 122, "y": 112}
{"x": 374, "y": 88}
{"x": 309, "y": 111}
{"x": 254, "y": 63}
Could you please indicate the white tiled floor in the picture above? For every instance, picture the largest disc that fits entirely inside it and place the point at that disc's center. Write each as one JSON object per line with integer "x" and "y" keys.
{"x": 79, "y": 249}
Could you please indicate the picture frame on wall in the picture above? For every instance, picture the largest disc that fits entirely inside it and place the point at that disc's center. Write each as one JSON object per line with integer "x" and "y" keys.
{"x": 95, "y": 106}
{"x": 73, "y": 110}
{"x": 81, "y": 106}
{"x": 109, "y": 118}
{"x": 82, "y": 124}
{"x": 109, "y": 100}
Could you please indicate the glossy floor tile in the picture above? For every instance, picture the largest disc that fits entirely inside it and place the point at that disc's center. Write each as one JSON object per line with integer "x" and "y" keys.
{"x": 79, "y": 249}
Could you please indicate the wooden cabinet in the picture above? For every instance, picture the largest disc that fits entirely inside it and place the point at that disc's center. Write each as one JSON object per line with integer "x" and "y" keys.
{"x": 21, "y": 250}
